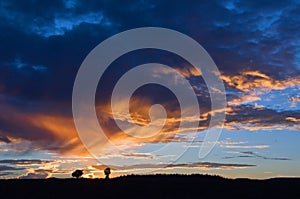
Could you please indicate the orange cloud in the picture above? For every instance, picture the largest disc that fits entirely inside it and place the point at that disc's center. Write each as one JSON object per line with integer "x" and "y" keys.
{"x": 246, "y": 98}
{"x": 139, "y": 114}
{"x": 187, "y": 71}
{"x": 42, "y": 131}
{"x": 251, "y": 80}
{"x": 62, "y": 129}
{"x": 292, "y": 119}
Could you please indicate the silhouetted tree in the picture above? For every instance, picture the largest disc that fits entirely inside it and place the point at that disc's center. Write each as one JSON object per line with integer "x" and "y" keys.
{"x": 77, "y": 173}
{"x": 107, "y": 172}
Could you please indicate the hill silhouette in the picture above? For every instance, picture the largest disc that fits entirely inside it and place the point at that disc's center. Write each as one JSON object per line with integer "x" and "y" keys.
{"x": 152, "y": 186}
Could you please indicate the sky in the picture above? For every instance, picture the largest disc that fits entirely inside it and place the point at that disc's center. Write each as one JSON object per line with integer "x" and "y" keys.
{"x": 254, "y": 44}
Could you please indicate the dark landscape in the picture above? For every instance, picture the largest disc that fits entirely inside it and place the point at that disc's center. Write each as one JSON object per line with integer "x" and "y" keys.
{"x": 152, "y": 186}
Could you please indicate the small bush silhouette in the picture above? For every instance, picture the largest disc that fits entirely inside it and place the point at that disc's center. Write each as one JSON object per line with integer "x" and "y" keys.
{"x": 107, "y": 172}
{"x": 77, "y": 173}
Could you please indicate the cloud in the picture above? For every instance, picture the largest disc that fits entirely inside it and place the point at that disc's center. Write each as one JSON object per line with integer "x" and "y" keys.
{"x": 41, "y": 131}
{"x": 22, "y": 162}
{"x": 8, "y": 168}
{"x": 240, "y": 145}
{"x": 36, "y": 174}
{"x": 264, "y": 157}
{"x": 44, "y": 44}
{"x": 57, "y": 20}
{"x": 27, "y": 168}
{"x": 252, "y": 80}
{"x": 5, "y": 139}
{"x": 292, "y": 119}
{"x": 294, "y": 99}
{"x": 139, "y": 155}
{"x": 198, "y": 165}
{"x": 247, "y": 147}
{"x": 43, "y": 168}
{"x": 253, "y": 118}
{"x": 57, "y": 132}
{"x": 5, "y": 174}
{"x": 98, "y": 167}
{"x": 251, "y": 154}
{"x": 245, "y": 98}
{"x": 210, "y": 165}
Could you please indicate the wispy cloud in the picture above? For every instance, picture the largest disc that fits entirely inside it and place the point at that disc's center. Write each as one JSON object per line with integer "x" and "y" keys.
{"x": 247, "y": 147}
{"x": 252, "y": 154}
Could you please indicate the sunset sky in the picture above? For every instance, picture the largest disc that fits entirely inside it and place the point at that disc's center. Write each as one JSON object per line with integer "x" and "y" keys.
{"x": 255, "y": 45}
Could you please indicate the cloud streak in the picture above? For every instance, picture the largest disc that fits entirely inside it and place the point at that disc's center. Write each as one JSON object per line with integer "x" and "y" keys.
{"x": 251, "y": 154}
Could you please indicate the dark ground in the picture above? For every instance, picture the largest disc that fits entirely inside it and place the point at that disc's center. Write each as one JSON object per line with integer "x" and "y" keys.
{"x": 153, "y": 186}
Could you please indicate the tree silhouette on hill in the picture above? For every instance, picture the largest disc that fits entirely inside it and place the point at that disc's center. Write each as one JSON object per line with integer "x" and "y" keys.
{"x": 77, "y": 173}
{"x": 107, "y": 173}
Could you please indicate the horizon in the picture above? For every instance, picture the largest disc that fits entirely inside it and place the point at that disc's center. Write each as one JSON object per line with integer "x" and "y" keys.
{"x": 253, "y": 49}
{"x": 153, "y": 175}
